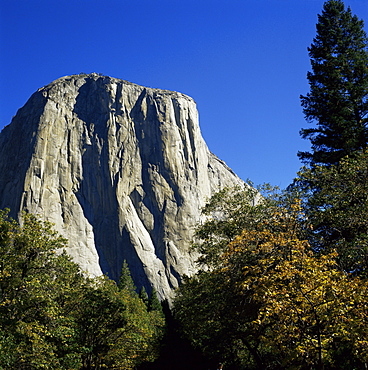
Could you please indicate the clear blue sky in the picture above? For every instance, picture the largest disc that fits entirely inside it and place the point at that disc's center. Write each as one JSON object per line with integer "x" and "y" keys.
{"x": 243, "y": 61}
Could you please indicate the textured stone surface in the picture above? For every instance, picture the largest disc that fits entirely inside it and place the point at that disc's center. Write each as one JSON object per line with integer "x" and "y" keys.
{"x": 120, "y": 169}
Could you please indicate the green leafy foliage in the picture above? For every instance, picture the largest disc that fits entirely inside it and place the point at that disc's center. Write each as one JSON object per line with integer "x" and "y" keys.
{"x": 227, "y": 213}
{"x": 269, "y": 302}
{"x": 34, "y": 285}
{"x": 52, "y": 316}
{"x": 115, "y": 328}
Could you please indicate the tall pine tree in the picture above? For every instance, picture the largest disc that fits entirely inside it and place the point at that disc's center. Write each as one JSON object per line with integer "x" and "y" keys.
{"x": 338, "y": 102}
{"x": 126, "y": 280}
{"x": 338, "y": 97}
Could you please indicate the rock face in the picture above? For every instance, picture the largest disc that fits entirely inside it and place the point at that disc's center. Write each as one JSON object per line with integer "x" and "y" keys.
{"x": 120, "y": 169}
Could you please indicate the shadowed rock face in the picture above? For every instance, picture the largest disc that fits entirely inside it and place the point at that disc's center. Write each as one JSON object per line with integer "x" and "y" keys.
{"x": 120, "y": 169}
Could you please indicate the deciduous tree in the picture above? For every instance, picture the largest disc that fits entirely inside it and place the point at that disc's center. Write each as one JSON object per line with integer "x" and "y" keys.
{"x": 52, "y": 316}
{"x": 270, "y": 302}
{"x": 37, "y": 286}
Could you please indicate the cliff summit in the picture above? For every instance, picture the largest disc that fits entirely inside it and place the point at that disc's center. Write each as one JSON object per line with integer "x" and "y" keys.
{"x": 120, "y": 169}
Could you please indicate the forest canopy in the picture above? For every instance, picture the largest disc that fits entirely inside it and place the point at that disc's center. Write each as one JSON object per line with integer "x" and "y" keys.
{"x": 53, "y": 316}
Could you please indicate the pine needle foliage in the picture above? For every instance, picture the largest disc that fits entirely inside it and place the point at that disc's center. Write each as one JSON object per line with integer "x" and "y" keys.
{"x": 338, "y": 97}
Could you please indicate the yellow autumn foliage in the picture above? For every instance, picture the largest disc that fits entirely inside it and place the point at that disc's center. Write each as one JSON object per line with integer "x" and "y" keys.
{"x": 306, "y": 304}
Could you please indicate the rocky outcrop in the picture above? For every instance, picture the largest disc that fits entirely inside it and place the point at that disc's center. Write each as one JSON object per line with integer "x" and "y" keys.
{"x": 120, "y": 169}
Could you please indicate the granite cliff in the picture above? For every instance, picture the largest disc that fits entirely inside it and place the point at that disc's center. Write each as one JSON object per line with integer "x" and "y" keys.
{"x": 120, "y": 169}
